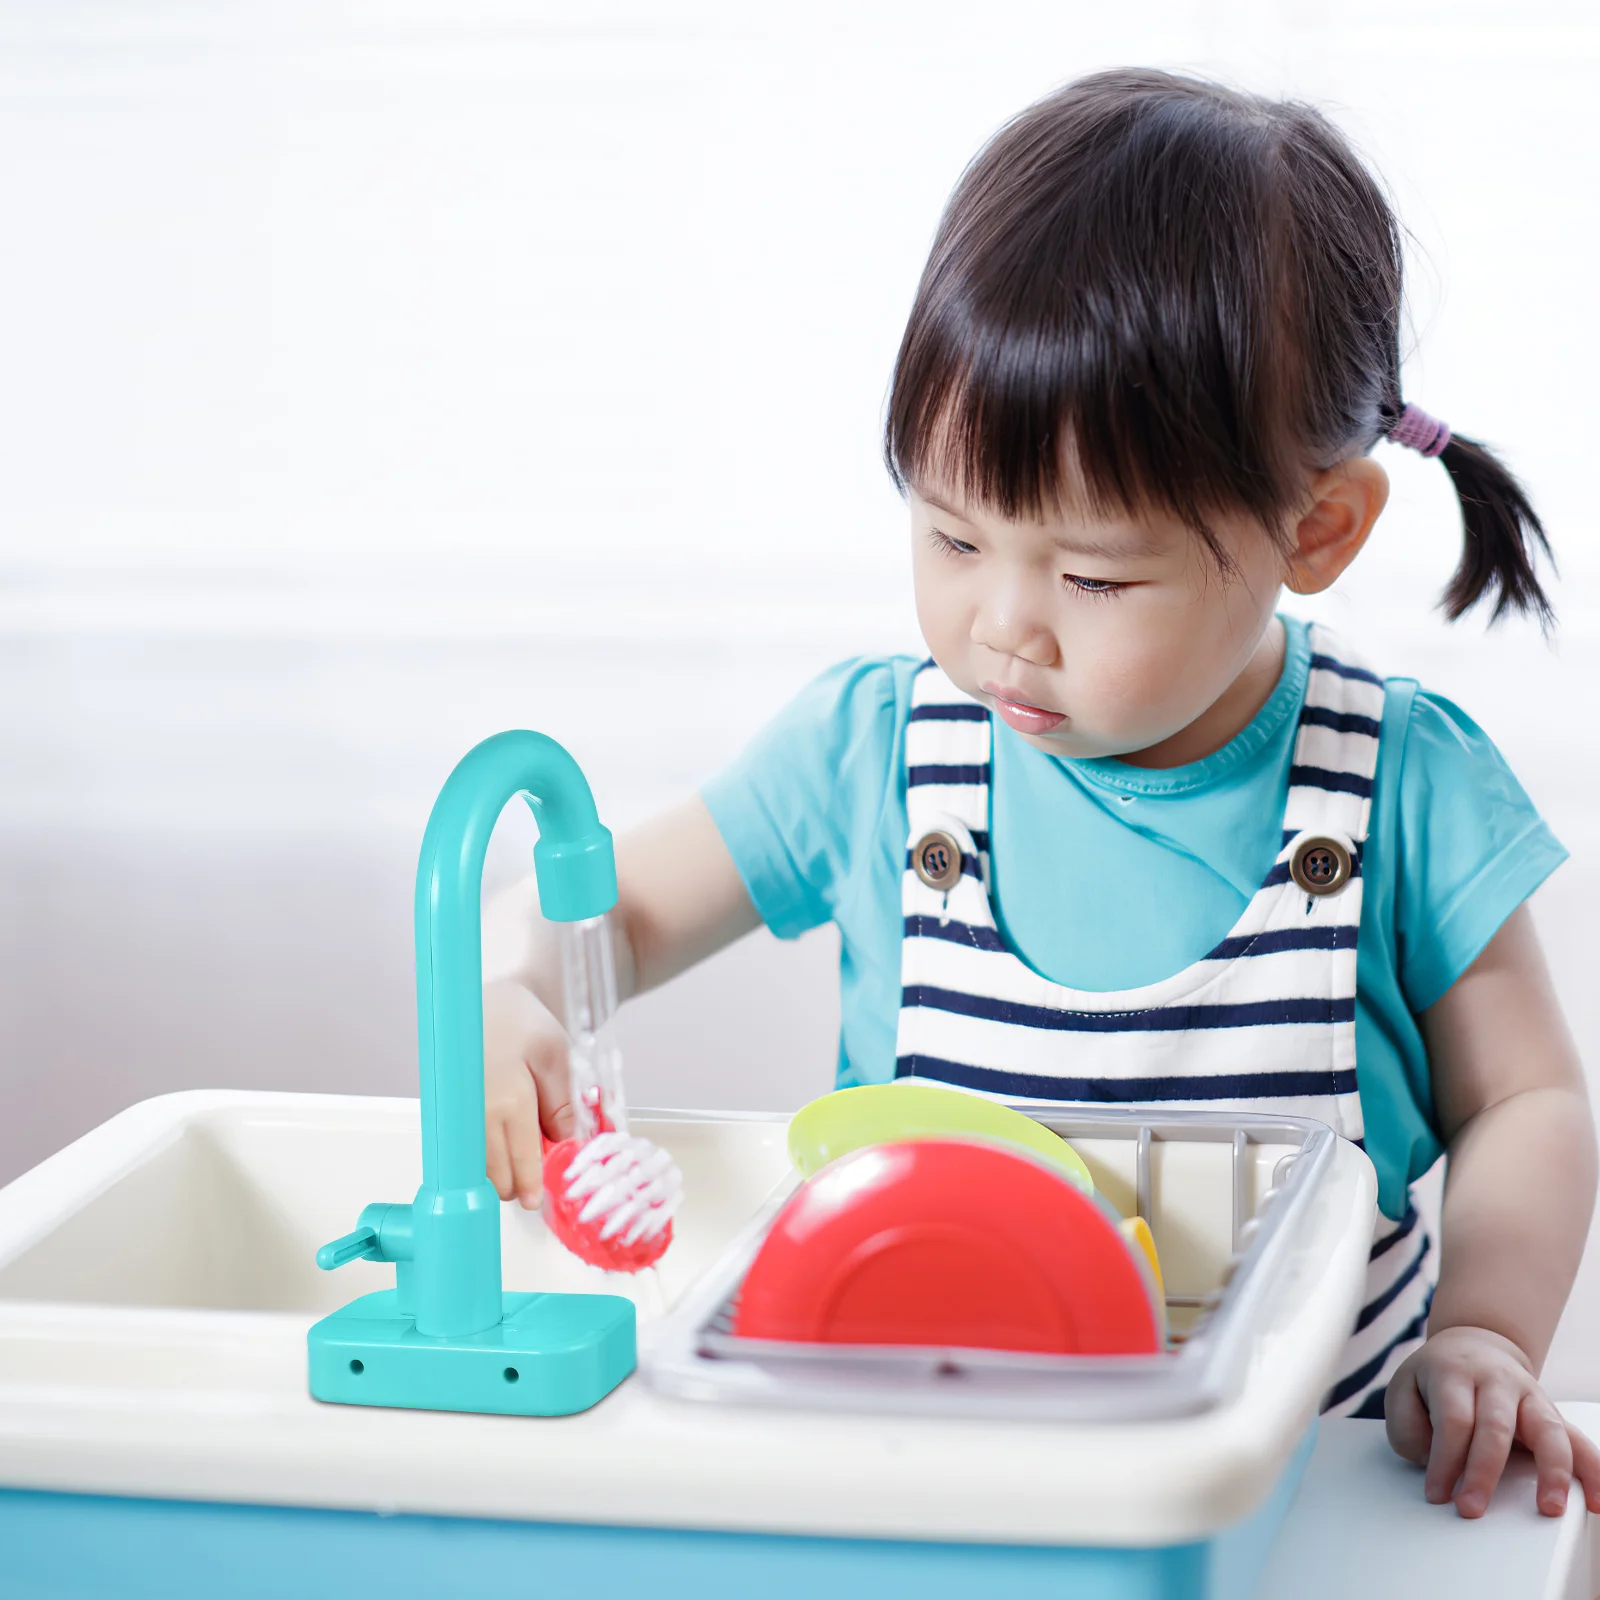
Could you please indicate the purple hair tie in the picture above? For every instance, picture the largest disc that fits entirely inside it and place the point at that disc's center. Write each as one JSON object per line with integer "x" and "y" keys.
{"x": 1418, "y": 431}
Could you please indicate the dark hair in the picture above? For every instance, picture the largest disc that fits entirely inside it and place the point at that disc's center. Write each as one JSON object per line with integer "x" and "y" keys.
{"x": 1184, "y": 297}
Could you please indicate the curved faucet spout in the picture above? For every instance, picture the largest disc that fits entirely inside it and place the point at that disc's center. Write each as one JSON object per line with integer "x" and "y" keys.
{"x": 456, "y": 1214}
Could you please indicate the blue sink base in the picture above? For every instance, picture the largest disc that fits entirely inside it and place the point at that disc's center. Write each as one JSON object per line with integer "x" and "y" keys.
{"x": 550, "y": 1355}
{"x": 84, "y": 1547}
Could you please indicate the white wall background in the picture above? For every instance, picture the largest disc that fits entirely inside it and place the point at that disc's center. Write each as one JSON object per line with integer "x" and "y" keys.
{"x": 377, "y": 376}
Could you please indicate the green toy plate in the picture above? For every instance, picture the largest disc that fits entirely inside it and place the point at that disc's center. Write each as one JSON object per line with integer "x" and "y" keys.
{"x": 884, "y": 1113}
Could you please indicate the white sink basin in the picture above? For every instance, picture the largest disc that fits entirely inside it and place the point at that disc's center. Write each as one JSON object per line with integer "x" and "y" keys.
{"x": 175, "y": 1246}
{"x": 157, "y": 1279}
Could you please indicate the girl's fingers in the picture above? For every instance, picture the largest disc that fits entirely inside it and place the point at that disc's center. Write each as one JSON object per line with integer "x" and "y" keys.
{"x": 547, "y": 1061}
{"x": 1406, "y": 1418}
{"x": 1494, "y": 1431}
{"x": 1451, "y": 1401}
{"x": 1585, "y": 1464}
{"x": 527, "y": 1153}
{"x": 497, "y": 1157}
{"x": 1541, "y": 1428}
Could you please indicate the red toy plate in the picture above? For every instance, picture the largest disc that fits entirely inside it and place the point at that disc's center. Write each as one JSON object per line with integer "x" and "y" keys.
{"x": 947, "y": 1242}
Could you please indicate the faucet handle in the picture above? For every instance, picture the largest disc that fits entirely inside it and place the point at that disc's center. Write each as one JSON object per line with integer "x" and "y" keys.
{"x": 362, "y": 1245}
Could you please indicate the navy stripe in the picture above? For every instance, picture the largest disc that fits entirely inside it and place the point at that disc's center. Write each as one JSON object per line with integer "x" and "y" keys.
{"x": 954, "y": 933}
{"x": 980, "y": 840}
{"x": 1407, "y": 1224}
{"x": 1339, "y": 721}
{"x": 936, "y": 774}
{"x": 1291, "y": 834}
{"x": 1280, "y": 872}
{"x": 1368, "y": 1370}
{"x": 1273, "y": 942}
{"x": 1360, "y": 674}
{"x": 1323, "y": 778}
{"x": 1154, "y": 1019}
{"x": 1278, "y": 939}
{"x": 949, "y": 713}
{"x": 1370, "y": 1409}
{"x": 1129, "y": 1091}
{"x": 1375, "y": 1308}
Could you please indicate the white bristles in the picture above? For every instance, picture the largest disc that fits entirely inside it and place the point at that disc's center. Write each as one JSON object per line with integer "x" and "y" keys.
{"x": 632, "y": 1184}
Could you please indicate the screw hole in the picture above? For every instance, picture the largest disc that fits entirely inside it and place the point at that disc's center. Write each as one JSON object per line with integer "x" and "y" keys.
{"x": 512, "y": 1374}
{"x": 358, "y": 1367}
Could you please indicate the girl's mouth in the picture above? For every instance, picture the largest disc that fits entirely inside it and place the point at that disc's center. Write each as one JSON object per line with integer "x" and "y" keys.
{"x": 1020, "y": 715}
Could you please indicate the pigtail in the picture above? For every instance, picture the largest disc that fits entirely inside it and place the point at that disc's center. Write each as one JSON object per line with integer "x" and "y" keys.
{"x": 1501, "y": 536}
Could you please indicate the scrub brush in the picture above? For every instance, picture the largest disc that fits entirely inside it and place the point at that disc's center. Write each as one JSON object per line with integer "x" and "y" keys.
{"x": 609, "y": 1195}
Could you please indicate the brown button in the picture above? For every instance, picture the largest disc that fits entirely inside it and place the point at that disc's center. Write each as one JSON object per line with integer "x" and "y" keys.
{"x": 1320, "y": 865}
{"x": 936, "y": 859}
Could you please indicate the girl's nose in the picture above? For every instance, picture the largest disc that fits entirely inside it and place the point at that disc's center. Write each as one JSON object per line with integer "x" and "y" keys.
{"x": 1003, "y": 623}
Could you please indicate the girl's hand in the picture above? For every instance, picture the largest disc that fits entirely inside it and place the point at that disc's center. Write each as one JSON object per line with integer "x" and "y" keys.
{"x": 1458, "y": 1405}
{"x": 680, "y": 899}
{"x": 526, "y": 1089}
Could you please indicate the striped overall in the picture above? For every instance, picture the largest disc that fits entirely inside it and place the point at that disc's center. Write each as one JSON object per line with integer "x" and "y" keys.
{"x": 1264, "y": 1022}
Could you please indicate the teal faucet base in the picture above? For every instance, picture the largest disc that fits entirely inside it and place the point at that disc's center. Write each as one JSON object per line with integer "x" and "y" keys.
{"x": 550, "y": 1356}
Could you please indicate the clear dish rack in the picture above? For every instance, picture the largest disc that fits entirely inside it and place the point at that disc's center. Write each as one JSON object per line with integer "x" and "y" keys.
{"x": 1226, "y": 1197}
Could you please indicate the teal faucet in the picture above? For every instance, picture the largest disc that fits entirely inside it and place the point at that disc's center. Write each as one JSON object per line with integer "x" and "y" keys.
{"x": 448, "y": 1336}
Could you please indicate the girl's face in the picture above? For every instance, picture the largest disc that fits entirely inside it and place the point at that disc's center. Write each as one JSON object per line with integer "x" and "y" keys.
{"x": 1092, "y": 637}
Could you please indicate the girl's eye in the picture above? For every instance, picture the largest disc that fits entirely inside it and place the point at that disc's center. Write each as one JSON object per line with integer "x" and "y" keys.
{"x": 1094, "y": 585}
{"x": 948, "y": 546}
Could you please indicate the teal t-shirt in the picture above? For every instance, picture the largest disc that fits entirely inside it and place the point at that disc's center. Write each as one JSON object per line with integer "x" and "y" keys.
{"x": 1109, "y": 876}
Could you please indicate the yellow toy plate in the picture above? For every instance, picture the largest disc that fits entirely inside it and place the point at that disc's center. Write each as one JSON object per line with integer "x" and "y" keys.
{"x": 884, "y": 1113}
{"x": 1136, "y": 1231}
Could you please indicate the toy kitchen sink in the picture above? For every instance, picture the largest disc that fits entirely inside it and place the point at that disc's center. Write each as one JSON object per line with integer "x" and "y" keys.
{"x": 157, "y": 1279}
{"x": 160, "y": 1294}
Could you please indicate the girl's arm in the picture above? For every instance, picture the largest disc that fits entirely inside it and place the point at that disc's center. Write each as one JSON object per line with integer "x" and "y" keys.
{"x": 1519, "y": 1192}
{"x": 679, "y": 900}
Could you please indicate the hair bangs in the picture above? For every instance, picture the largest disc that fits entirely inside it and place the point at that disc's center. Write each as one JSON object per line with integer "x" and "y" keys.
{"x": 1029, "y": 425}
{"x": 1099, "y": 324}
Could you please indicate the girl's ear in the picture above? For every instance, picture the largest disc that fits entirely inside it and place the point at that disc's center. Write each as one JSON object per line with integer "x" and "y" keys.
{"x": 1346, "y": 501}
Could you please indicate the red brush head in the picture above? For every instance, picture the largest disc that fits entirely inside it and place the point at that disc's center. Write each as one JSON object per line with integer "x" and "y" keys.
{"x": 562, "y": 1211}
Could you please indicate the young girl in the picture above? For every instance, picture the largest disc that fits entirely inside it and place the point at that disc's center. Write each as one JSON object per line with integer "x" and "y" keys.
{"x": 1129, "y": 836}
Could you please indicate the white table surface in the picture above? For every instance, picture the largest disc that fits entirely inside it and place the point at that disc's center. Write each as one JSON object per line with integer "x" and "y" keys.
{"x": 1360, "y": 1527}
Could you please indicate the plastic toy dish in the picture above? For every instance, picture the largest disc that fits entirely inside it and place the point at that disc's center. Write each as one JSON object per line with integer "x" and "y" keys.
{"x": 1138, "y": 1235}
{"x": 884, "y": 1113}
{"x": 953, "y": 1243}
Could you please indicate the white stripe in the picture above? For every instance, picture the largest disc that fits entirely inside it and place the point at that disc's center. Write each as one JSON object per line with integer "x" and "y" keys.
{"x": 1321, "y": 811}
{"x": 1041, "y": 1052}
{"x": 1347, "y": 1408}
{"x": 1339, "y": 693}
{"x": 930, "y": 687}
{"x": 1389, "y": 1324}
{"x": 1270, "y": 910}
{"x": 1394, "y": 1263}
{"x": 947, "y": 743}
{"x": 964, "y": 902}
{"x": 1364, "y": 1347}
{"x": 1382, "y": 1275}
{"x": 1355, "y": 753}
{"x": 929, "y": 803}
{"x": 1298, "y": 974}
